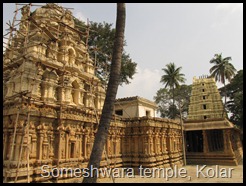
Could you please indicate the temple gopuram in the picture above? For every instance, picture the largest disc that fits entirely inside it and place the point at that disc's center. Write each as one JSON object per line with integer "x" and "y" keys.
{"x": 210, "y": 137}
{"x": 52, "y": 101}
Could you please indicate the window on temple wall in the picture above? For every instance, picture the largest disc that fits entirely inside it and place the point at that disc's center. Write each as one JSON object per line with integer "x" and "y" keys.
{"x": 204, "y": 117}
{"x": 204, "y": 107}
{"x": 204, "y": 97}
{"x": 147, "y": 113}
{"x": 72, "y": 150}
{"x": 85, "y": 97}
{"x": 75, "y": 92}
{"x": 203, "y": 90}
{"x": 119, "y": 112}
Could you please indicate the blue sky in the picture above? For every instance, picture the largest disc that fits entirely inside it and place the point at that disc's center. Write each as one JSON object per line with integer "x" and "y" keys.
{"x": 188, "y": 34}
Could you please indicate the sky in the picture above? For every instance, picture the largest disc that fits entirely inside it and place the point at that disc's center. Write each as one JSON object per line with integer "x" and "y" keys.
{"x": 187, "y": 34}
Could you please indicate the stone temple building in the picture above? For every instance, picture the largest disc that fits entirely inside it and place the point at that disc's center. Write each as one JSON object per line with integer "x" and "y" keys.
{"x": 52, "y": 102}
{"x": 210, "y": 137}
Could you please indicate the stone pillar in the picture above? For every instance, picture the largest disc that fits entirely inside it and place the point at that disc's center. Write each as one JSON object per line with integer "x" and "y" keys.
{"x": 62, "y": 142}
{"x": 45, "y": 146}
{"x": 33, "y": 146}
{"x": 145, "y": 145}
{"x": 51, "y": 148}
{"x": 40, "y": 149}
{"x": 68, "y": 95}
{"x": 129, "y": 153}
{"x": 149, "y": 145}
{"x": 84, "y": 145}
{"x": 164, "y": 136}
{"x": 170, "y": 141}
{"x": 78, "y": 146}
{"x": 17, "y": 144}
{"x": 81, "y": 97}
{"x": 66, "y": 146}
{"x": 227, "y": 142}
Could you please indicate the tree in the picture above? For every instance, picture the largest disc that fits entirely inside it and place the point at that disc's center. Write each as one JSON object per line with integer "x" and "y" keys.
{"x": 234, "y": 90}
{"x": 222, "y": 69}
{"x": 181, "y": 96}
{"x": 100, "y": 45}
{"x": 171, "y": 79}
{"x": 102, "y": 132}
{"x": 163, "y": 100}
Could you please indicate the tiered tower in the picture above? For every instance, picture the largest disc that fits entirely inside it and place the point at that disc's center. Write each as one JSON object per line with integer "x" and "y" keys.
{"x": 210, "y": 137}
{"x": 205, "y": 100}
{"x": 52, "y": 97}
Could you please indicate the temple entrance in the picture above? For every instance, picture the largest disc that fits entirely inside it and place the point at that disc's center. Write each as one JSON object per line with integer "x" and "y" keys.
{"x": 215, "y": 140}
{"x": 194, "y": 141}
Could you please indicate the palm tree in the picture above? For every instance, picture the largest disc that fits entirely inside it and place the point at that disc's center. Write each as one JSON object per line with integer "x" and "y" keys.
{"x": 102, "y": 132}
{"x": 172, "y": 78}
{"x": 222, "y": 70}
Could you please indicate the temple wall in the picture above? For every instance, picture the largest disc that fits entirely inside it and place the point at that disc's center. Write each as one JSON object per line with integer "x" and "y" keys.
{"x": 66, "y": 142}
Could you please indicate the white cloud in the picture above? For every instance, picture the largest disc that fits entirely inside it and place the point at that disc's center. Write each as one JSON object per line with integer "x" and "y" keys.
{"x": 145, "y": 84}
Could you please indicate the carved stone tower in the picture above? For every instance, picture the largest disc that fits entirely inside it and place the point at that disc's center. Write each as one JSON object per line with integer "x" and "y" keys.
{"x": 51, "y": 94}
{"x": 210, "y": 137}
{"x": 205, "y": 101}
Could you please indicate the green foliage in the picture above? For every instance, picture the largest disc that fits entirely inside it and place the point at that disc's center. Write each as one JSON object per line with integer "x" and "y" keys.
{"x": 182, "y": 96}
{"x": 172, "y": 76}
{"x": 100, "y": 45}
{"x": 171, "y": 79}
{"x": 234, "y": 90}
{"x": 222, "y": 68}
{"x": 164, "y": 101}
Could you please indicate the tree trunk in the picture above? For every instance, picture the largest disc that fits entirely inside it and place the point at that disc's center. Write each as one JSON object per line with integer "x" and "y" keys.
{"x": 173, "y": 104}
{"x": 224, "y": 111}
{"x": 102, "y": 133}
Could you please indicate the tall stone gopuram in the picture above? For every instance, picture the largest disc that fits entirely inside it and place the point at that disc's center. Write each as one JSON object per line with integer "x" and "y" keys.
{"x": 210, "y": 137}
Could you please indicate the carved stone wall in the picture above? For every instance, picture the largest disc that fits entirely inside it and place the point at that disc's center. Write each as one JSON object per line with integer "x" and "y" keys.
{"x": 67, "y": 142}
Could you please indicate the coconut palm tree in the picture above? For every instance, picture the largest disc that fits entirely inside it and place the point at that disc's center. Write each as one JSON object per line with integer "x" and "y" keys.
{"x": 222, "y": 70}
{"x": 114, "y": 79}
{"x": 172, "y": 78}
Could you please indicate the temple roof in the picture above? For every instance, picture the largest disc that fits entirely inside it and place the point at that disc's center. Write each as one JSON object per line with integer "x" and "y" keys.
{"x": 208, "y": 124}
{"x": 135, "y": 98}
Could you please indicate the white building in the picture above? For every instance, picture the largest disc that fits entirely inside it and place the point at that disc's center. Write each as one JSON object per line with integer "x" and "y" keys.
{"x": 131, "y": 107}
